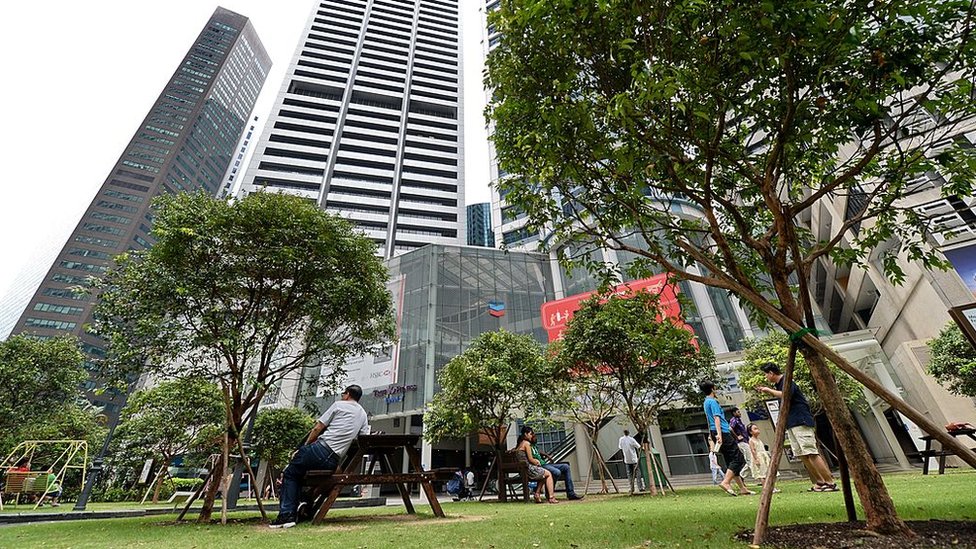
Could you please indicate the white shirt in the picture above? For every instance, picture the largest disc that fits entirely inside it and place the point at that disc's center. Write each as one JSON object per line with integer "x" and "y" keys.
{"x": 469, "y": 479}
{"x": 344, "y": 421}
{"x": 630, "y": 446}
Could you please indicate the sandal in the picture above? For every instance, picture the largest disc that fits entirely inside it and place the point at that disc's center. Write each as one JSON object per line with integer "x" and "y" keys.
{"x": 828, "y": 487}
{"x": 553, "y": 500}
{"x": 747, "y": 493}
{"x": 537, "y": 497}
{"x": 728, "y": 491}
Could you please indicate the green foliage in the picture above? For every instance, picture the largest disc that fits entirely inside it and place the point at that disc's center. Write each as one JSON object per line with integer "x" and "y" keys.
{"x": 502, "y": 376}
{"x": 277, "y": 432}
{"x": 651, "y": 359}
{"x": 704, "y": 133}
{"x": 244, "y": 293}
{"x": 775, "y": 348}
{"x": 170, "y": 419}
{"x": 953, "y": 361}
{"x": 172, "y": 485}
{"x": 40, "y": 385}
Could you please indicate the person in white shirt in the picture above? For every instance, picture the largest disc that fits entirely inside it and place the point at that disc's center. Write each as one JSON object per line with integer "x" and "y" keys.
{"x": 630, "y": 447}
{"x": 327, "y": 442}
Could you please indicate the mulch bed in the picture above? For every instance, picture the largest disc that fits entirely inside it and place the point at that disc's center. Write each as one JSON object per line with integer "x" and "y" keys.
{"x": 837, "y": 535}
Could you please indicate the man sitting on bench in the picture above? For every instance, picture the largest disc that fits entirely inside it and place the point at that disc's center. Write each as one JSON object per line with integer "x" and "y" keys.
{"x": 560, "y": 471}
{"x": 327, "y": 442}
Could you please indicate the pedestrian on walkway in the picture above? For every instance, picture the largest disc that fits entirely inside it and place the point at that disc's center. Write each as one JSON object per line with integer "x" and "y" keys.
{"x": 742, "y": 440}
{"x": 722, "y": 435}
{"x": 800, "y": 428}
{"x": 630, "y": 448}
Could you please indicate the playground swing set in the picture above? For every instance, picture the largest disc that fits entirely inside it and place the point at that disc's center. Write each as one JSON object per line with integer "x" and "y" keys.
{"x": 73, "y": 455}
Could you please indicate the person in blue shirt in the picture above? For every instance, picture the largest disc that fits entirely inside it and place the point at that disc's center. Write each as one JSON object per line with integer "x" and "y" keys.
{"x": 724, "y": 440}
{"x": 800, "y": 428}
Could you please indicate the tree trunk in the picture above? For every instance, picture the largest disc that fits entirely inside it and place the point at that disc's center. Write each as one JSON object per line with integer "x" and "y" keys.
{"x": 502, "y": 492}
{"x": 879, "y": 509}
{"x": 163, "y": 473}
{"x": 216, "y": 476}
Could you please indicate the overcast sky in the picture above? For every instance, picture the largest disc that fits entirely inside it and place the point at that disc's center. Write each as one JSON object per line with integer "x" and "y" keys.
{"x": 80, "y": 77}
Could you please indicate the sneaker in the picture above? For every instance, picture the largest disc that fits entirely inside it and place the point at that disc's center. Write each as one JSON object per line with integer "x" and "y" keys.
{"x": 283, "y": 521}
{"x": 574, "y": 496}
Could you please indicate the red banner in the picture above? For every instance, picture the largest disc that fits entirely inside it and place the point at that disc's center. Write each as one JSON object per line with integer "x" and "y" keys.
{"x": 556, "y": 314}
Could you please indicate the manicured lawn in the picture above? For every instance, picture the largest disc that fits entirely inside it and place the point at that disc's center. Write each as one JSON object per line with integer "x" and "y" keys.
{"x": 696, "y": 517}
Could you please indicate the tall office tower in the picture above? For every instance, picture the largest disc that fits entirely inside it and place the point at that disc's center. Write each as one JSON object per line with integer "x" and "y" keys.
{"x": 185, "y": 143}
{"x": 479, "y": 225}
{"x": 508, "y": 223}
{"x": 232, "y": 183}
{"x": 368, "y": 121}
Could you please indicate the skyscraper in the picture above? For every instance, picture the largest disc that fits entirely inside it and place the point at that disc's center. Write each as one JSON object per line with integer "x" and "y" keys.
{"x": 479, "y": 225}
{"x": 368, "y": 121}
{"x": 185, "y": 143}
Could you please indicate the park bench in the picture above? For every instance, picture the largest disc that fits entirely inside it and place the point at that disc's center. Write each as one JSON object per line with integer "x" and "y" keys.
{"x": 21, "y": 482}
{"x": 515, "y": 472}
{"x": 941, "y": 453}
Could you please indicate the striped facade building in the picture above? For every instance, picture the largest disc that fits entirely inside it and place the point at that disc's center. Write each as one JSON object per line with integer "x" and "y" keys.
{"x": 367, "y": 122}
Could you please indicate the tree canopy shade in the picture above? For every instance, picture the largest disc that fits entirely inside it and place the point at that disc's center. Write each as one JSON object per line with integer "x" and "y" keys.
{"x": 243, "y": 294}
{"x": 651, "y": 359}
{"x": 774, "y": 347}
{"x": 172, "y": 419}
{"x": 38, "y": 378}
{"x": 953, "y": 361}
{"x": 501, "y": 377}
{"x": 700, "y": 136}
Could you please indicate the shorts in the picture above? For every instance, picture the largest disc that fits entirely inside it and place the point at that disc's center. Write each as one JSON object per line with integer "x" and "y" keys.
{"x": 803, "y": 440}
{"x": 734, "y": 460}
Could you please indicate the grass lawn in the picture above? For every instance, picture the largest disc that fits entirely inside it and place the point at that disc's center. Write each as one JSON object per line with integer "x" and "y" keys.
{"x": 696, "y": 517}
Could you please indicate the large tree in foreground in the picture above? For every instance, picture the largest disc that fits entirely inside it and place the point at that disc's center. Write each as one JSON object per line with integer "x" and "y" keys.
{"x": 501, "y": 377}
{"x": 652, "y": 359}
{"x": 699, "y": 136}
{"x": 244, "y": 294}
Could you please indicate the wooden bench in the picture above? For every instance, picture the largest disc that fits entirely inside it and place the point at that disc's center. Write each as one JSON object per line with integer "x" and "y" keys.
{"x": 22, "y": 482}
{"x": 514, "y": 472}
{"x": 941, "y": 453}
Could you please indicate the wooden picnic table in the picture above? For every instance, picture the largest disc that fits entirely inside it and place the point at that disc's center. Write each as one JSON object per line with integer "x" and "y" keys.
{"x": 941, "y": 453}
{"x": 326, "y": 485}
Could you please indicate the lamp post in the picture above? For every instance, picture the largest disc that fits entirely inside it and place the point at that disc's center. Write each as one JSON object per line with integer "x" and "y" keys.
{"x": 96, "y": 467}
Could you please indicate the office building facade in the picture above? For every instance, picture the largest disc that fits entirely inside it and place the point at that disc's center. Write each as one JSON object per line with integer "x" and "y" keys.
{"x": 185, "y": 144}
{"x": 479, "y": 225}
{"x": 368, "y": 121}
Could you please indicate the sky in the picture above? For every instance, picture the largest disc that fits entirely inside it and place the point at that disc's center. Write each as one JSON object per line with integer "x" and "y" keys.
{"x": 80, "y": 77}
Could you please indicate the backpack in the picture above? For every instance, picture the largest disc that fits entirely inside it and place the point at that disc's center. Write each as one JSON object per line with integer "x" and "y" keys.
{"x": 454, "y": 485}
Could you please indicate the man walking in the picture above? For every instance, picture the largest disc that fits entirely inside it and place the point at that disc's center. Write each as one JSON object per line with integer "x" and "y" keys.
{"x": 800, "y": 428}
{"x": 722, "y": 434}
{"x": 630, "y": 447}
{"x": 741, "y": 436}
{"x": 327, "y": 442}
{"x": 560, "y": 471}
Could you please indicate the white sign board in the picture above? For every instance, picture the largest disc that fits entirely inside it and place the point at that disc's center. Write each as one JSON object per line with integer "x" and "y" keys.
{"x": 146, "y": 468}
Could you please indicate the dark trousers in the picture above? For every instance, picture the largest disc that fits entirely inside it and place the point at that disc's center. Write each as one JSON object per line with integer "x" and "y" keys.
{"x": 734, "y": 460}
{"x": 560, "y": 471}
{"x": 310, "y": 457}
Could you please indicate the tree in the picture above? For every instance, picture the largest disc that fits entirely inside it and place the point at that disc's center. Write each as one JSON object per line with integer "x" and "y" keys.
{"x": 700, "y": 136}
{"x": 774, "y": 347}
{"x": 244, "y": 294}
{"x": 652, "y": 359}
{"x": 39, "y": 378}
{"x": 502, "y": 376}
{"x": 953, "y": 361}
{"x": 592, "y": 403}
{"x": 168, "y": 420}
{"x": 277, "y": 432}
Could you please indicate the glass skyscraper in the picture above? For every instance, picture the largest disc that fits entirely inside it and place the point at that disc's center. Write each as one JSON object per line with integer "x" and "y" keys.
{"x": 479, "y": 225}
{"x": 184, "y": 144}
{"x": 368, "y": 121}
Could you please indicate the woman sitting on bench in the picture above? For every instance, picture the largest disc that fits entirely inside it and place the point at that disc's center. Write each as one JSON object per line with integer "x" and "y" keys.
{"x": 535, "y": 471}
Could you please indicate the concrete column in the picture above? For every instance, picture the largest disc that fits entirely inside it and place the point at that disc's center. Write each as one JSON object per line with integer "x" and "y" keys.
{"x": 467, "y": 451}
{"x": 426, "y": 452}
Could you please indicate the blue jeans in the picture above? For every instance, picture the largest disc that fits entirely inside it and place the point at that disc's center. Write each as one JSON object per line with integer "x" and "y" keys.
{"x": 310, "y": 457}
{"x": 560, "y": 471}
